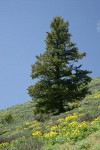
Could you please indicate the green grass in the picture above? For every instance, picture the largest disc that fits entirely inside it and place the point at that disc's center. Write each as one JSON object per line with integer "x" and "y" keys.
{"x": 92, "y": 142}
{"x": 23, "y": 132}
{"x": 20, "y": 112}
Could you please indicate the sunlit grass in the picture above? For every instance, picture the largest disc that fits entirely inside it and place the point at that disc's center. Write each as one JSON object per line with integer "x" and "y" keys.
{"x": 73, "y": 130}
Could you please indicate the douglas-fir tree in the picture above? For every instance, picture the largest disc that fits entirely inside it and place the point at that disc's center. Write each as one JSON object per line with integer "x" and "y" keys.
{"x": 60, "y": 79}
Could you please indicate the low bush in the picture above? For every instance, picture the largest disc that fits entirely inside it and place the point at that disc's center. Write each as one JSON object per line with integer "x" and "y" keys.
{"x": 8, "y": 118}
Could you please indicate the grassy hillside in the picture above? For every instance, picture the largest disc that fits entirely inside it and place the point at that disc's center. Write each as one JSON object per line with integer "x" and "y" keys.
{"x": 20, "y": 112}
{"x": 77, "y": 129}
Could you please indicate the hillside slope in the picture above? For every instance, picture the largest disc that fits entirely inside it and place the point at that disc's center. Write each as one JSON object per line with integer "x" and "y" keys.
{"x": 22, "y": 131}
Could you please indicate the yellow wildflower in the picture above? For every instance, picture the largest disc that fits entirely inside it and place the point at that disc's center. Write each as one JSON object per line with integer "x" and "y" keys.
{"x": 50, "y": 134}
{"x": 67, "y": 134}
{"x": 64, "y": 128}
{"x": 36, "y": 133}
{"x": 54, "y": 127}
{"x": 26, "y": 123}
{"x": 74, "y": 123}
{"x": 71, "y": 117}
{"x": 48, "y": 127}
{"x": 61, "y": 119}
{"x": 76, "y": 131}
{"x": 4, "y": 144}
{"x": 82, "y": 125}
{"x": 95, "y": 120}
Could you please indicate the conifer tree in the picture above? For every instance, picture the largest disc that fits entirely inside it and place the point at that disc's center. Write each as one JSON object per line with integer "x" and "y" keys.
{"x": 60, "y": 77}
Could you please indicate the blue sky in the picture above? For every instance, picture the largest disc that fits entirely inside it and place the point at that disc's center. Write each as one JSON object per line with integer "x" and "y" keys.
{"x": 23, "y": 27}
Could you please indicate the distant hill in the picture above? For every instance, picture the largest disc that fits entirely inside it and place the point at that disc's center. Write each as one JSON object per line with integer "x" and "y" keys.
{"x": 20, "y": 129}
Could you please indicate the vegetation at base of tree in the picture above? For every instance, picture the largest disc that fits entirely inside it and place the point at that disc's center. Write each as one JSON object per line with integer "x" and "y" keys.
{"x": 60, "y": 77}
{"x": 76, "y": 129}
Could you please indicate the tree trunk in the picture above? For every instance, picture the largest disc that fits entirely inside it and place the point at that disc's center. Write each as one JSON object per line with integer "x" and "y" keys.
{"x": 61, "y": 107}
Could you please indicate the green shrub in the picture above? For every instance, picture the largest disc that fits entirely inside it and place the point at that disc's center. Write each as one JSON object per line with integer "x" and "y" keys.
{"x": 8, "y": 118}
{"x": 86, "y": 117}
{"x": 96, "y": 147}
{"x": 42, "y": 117}
{"x": 27, "y": 144}
{"x": 84, "y": 144}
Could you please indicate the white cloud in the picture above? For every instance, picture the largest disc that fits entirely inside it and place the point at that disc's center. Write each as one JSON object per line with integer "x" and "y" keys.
{"x": 98, "y": 26}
